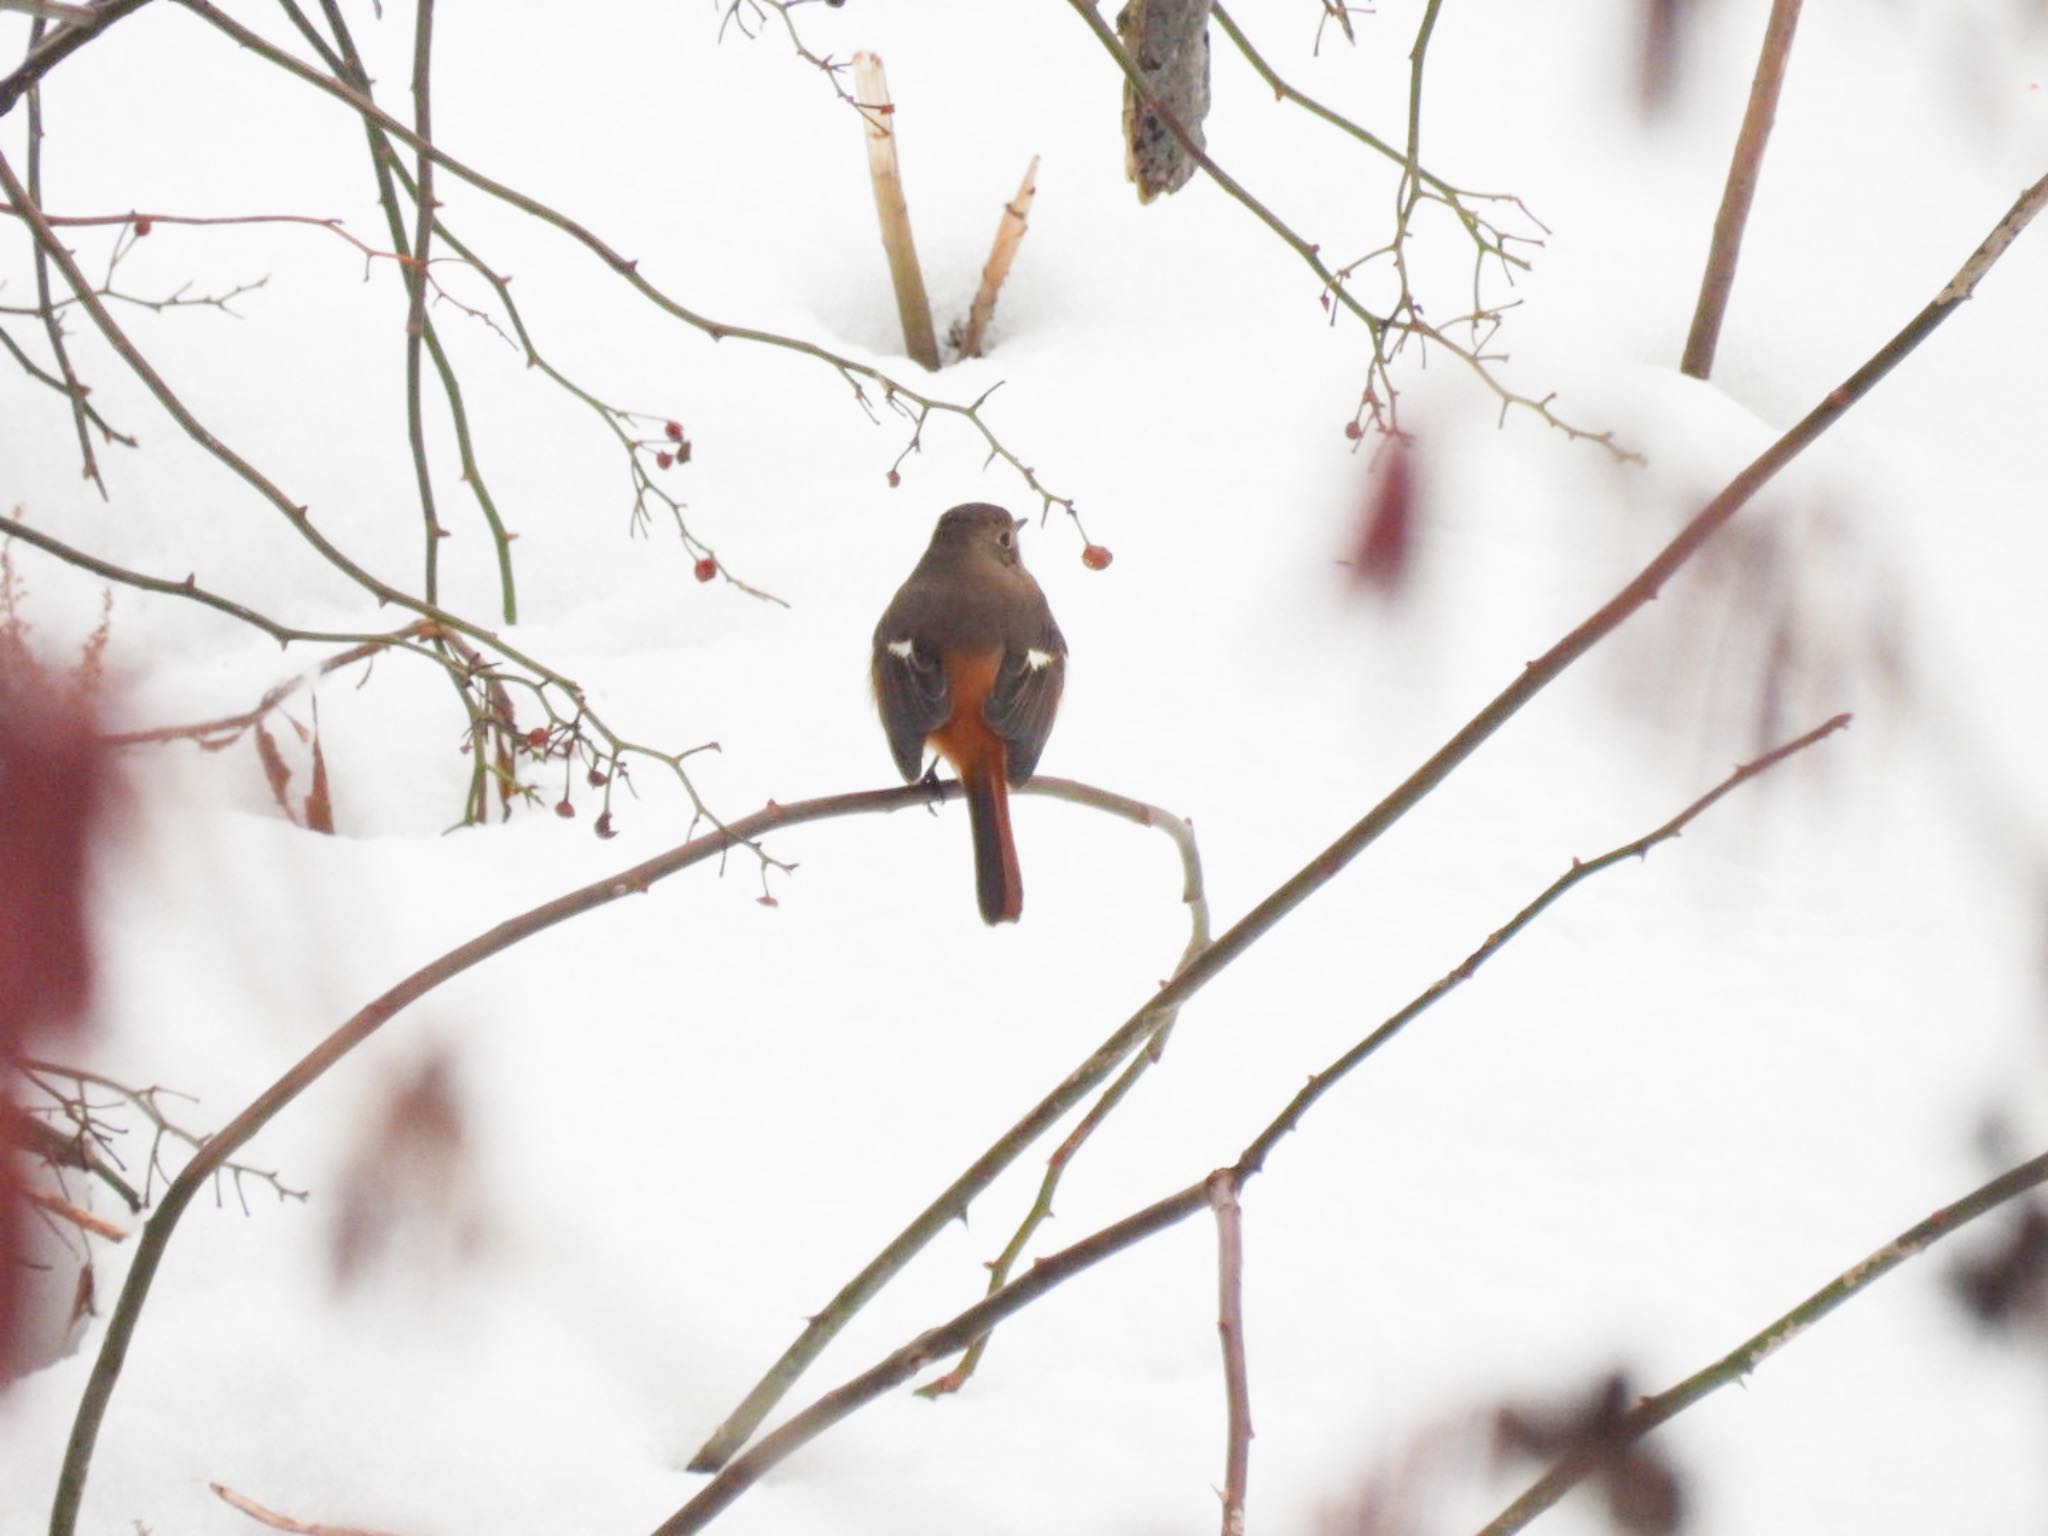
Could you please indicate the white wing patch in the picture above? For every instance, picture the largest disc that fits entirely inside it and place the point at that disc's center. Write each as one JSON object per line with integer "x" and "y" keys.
{"x": 1037, "y": 660}
{"x": 902, "y": 650}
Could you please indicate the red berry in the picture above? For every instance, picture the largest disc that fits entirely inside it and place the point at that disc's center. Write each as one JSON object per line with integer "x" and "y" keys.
{"x": 604, "y": 827}
{"x": 675, "y": 431}
{"x": 564, "y": 809}
{"x": 683, "y": 451}
{"x": 537, "y": 737}
{"x": 1353, "y": 430}
{"x": 894, "y": 479}
{"x": 596, "y": 776}
{"x": 1096, "y": 558}
{"x": 706, "y": 568}
{"x": 662, "y": 460}
{"x": 144, "y": 225}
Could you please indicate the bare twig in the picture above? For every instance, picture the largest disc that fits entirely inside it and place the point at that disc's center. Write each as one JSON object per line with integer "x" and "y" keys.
{"x": 1192, "y": 893}
{"x": 1223, "y": 1189}
{"x": 78, "y": 1216}
{"x": 936, "y": 1344}
{"x": 1740, "y": 1361}
{"x": 278, "y": 1522}
{"x": 1255, "y": 1155}
{"x": 483, "y": 682}
{"x": 53, "y": 327}
{"x": 389, "y": 174}
{"x": 416, "y": 289}
{"x": 1536, "y": 676}
{"x": 1736, "y": 196}
{"x": 225, "y": 729}
{"x": 83, "y": 1148}
{"x": 85, "y": 1118}
{"x": 736, "y": 16}
{"x": 58, "y": 47}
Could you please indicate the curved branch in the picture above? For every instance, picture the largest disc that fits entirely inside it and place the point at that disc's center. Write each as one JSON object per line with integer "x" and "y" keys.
{"x": 218, "y": 1148}
{"x": 60, "y": 46}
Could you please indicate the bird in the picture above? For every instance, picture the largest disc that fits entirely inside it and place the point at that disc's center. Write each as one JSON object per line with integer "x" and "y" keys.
{"x": 968, "y": 662}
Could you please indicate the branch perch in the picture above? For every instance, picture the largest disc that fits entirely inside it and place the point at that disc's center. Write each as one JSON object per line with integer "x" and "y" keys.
{"x": 213, "y": 1152}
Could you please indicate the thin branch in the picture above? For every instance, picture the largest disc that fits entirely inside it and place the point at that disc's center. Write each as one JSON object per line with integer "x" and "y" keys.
{"x": 1740, "y": 1361}
{"x": 61, "y": 44}
{"x": 53, "y": 327}
{"x": 390, "y": 173}
{"x": 85, "y": 1148}
{"x": 224, "y": 729}
{"x": 1740, "y": 190}
{"x": 278, "y": 1522}
{"x": 51, "y": 381}
{"x": 416, "y": 288}
{"x": 483, "y": 682}
{"x": 933, "y": 1345}
{"x": 1489, "y": 239}
{"x": 144, "y": 1101}
{"x": 1536, "y": 676}
{"x": 284, "y": 634}
{"x": 1223, "y": 1188}
{"x": 1255, "y": 1155}
{"x": 1193, "y": 894}
{"x": 974, "y": 1323}
{"x": 78, "y": 1216}
{"x": 831, "y": 68}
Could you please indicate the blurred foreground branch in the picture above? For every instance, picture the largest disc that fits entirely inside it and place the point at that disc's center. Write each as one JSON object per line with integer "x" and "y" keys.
{"x": 1650, "y": 1412}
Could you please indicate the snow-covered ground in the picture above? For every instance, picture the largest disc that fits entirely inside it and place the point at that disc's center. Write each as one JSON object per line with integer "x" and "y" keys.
{"x": 1698, "y": 1089}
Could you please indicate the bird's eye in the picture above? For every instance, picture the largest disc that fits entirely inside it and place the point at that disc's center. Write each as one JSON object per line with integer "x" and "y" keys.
{"x": 1007, "y": 539}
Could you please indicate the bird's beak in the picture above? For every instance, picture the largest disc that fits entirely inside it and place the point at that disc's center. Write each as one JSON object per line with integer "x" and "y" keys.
{"x": 1019, "y": 523}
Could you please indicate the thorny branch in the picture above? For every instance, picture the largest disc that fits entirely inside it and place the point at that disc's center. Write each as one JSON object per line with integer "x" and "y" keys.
{"x": 1193, "y": 894}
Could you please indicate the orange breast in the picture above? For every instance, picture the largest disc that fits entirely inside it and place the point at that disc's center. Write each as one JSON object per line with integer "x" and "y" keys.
{"x": 965, "y": 739}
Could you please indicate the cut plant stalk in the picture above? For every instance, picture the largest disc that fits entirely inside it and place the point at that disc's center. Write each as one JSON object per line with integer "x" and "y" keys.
{"x": 871, "y": 87}
{"x": 973, "y": 331}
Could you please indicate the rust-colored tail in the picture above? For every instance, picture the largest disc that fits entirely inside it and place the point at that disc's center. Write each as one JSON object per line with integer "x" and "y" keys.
{"x": 997, "y": 881}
